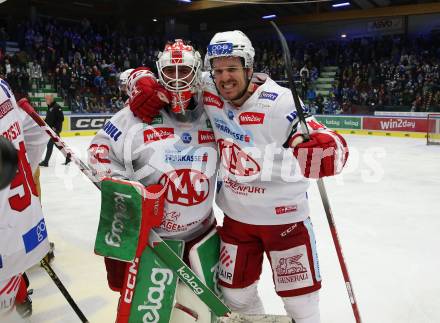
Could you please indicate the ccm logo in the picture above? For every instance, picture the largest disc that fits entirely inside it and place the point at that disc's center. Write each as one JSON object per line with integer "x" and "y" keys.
{"x": 251, "y": 118}
{"x": 88, "y": 123}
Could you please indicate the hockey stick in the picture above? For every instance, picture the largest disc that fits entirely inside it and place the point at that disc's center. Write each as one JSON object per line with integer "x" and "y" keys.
{"x": 159, "y": 246}
{"x": 321, "y": 186}
{"x": 63, "y": 290}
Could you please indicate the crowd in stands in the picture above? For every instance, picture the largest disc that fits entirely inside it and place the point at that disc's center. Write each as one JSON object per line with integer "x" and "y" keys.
{"x": 81, "y": 62}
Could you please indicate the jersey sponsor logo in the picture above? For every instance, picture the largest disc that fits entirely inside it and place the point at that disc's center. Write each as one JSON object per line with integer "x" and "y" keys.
{"x": 186, "y": 137}
{"x": 212, "y": 99}
{"x": 206, "y": 137}
{"x": 251, "y": 118}
{"x": 159, "y": 133}
{"x": 242, "y": 189}
{"x": 112, "y": 131}
{"x": 5, "y": 107}
{"x": 268, "y": 95}
{"x": 178, "y": 157}
{"x": 160, "y": 278}
{"x": 99, "y": 154}
{"x": 292, "y": 268}
{"x": 186, "y": 187}
{"x": 88, "y": 123}
{"x": 208, "y": 124}
{"x": 12, "y": 132}
{"x": 35, "y": 236}
{"x": 227, "y": 260}
{"x": 224, "y": 127}
{"x": 230, "y": 115}
{"x": 285, "y": 209}
{"x": 235, "y": 160}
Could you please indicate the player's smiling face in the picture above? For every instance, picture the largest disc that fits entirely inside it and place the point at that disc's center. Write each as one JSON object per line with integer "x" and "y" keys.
{"x": 230, "y": 77}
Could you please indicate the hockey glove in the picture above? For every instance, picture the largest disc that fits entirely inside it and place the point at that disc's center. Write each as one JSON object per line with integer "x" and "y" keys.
{"x": 146, "y": 96}
{"x": 320, "y": 156}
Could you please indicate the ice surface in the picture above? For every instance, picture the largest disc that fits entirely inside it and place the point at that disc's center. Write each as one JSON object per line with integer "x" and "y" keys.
{"x": 386, "y": 207}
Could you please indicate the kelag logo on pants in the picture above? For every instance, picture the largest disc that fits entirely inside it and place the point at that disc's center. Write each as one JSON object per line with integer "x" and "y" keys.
{"x": 88, "y": 123}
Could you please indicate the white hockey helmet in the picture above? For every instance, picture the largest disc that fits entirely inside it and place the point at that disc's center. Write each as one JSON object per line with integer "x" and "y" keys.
{"x": 123, "y": 79}
{"x": 175, "y": 55}
{"x": 230, "y": 43}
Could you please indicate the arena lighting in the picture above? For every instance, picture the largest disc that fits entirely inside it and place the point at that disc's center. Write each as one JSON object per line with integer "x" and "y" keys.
{"x": 340, "y": 4}
{"x": 186, "y": 1}
{"x": 154, "y": 20}
{"x": 343, "y": 35}
{"x": 269, "y": 16}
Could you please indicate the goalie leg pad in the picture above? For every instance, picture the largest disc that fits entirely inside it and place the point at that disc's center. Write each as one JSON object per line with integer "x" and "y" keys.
{"x": 189, "y": 308}
{"x": 204, "y": 258}
{"x": 303, "y": 308}
{"x": 244, "y": 300}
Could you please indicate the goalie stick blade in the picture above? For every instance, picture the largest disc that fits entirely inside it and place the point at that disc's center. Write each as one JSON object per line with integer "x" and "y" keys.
{"x": 247, "y": 318}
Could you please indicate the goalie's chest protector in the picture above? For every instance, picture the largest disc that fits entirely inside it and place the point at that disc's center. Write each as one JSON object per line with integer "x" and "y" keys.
{"x": 183, "y": 157}
{"x": 258, "y": 175}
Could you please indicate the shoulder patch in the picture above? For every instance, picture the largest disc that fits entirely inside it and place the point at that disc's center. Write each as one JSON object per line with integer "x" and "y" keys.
{"x": 268, "y": 95}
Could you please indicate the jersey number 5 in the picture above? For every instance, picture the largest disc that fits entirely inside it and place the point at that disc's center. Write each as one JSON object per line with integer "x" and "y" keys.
{"x": 22, "y": 178}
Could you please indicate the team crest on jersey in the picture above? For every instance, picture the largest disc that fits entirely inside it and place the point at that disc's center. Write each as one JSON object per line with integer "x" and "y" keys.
{"x": 212, "y": 100}
{"x": 206, "y": 136}
{"x": 208, "y": 124}
{"x": 292, "y": 268}
{"x": 235, "y": 160}
{"x": 268, "y": 95}
{"x": 5, "y": 107}
{"x": 159, "y": 133}
{"x": 186, "y": 187}
{"x": 251, "y": 118}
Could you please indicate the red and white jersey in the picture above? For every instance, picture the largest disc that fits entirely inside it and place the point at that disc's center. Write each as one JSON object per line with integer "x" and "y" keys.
{"x": 23, "y": 234}
{"x": 181, "y": 155}
{"x": 261, "y": 181}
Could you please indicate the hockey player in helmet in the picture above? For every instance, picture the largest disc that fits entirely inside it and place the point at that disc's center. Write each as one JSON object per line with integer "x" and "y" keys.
{"x": 175, "y": 148}
{"x": 266, "y": 208}
{"x": 122, "y": 83}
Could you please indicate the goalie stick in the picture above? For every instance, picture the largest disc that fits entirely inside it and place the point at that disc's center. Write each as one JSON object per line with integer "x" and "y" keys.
{"x": 320, "y": 182}
{"x": 63, "y": 290}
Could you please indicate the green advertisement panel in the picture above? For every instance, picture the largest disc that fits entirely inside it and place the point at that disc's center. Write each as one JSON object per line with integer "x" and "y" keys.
{"x": 340, "y": 122}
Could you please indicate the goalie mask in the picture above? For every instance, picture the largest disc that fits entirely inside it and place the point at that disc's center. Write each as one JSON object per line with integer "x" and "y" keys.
{"x": 179, "y": 69}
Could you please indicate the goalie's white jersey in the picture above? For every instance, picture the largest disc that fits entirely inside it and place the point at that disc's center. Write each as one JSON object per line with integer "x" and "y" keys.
{"x": 181, "y": 155}
{"x": 261, "y": 182}
{"x": 23, "y": 234}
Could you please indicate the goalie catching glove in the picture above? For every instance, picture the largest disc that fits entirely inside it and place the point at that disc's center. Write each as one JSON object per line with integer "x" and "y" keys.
{"x": 146, "y": 96}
